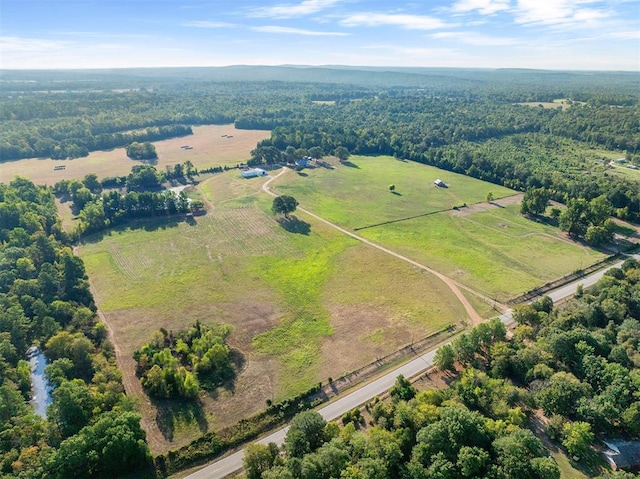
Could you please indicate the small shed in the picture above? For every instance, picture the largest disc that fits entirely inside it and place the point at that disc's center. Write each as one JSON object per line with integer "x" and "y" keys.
{"x": 439, "y": 183}
{"x": 254, "y": 173}
{"x": 623, "y": 455}
{"x": 304, "y": 161}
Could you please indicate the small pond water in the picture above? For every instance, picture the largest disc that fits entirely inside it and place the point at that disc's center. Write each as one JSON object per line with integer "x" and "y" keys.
{"x": 39, "y": 384}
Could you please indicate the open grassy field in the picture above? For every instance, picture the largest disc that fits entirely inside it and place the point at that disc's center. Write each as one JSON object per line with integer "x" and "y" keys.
{"x": 495, "y": 251}
{"x": 303, "y": 306}
{"x": 210, "y": 148}
{"x": 492, "y": 249}
{"x": 356, "y": 194}
{"x": 624, "y": 171}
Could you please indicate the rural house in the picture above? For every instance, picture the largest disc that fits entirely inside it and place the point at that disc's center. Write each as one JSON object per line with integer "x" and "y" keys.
{"x": 623, "y": 455}
{"x": 253, "y": 173}
{"x": 440, "y": 183}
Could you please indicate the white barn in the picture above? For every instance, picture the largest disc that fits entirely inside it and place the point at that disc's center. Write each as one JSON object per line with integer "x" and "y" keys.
{"x": 253, "y": 173}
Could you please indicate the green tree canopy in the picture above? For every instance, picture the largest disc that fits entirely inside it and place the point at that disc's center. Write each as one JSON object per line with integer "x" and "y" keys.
{"x": 284, "y": 205}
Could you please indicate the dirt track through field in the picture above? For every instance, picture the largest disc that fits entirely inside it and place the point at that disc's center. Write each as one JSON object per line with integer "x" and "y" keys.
{"x": 132, "y": 386}
{"x": 451, "y": 284}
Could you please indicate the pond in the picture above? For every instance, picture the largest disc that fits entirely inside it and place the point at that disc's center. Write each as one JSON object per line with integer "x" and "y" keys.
{"x": 39, "y": 384}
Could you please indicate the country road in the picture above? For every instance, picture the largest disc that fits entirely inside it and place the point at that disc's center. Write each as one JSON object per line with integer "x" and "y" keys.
{"x": 233, "y": 463}
{"x": 451, "y": 284}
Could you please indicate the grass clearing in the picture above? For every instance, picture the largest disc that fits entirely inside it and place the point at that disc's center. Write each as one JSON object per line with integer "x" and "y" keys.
{"x": 496, "y": 252}
{"x": 210, "y": 148}
{"x": 303, "y": 307}
{"x": 356, "y": 194}
{"x": 489, "y": 247}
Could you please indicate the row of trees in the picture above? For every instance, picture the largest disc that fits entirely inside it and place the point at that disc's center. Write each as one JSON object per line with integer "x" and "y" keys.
{"x": 174, "y": 365}
{"x": 91, "y": 429}
{"x": 96, "y": 212}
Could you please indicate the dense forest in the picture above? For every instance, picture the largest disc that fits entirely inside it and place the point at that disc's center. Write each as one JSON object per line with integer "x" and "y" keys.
{"x": 91, "y": 429}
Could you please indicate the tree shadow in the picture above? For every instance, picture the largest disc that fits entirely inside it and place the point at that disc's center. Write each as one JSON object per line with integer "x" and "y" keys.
{"x": 171, "y": 414}
{"x": 396, "y": 193}
{"x": 154, "y": 223}
{"x": 324, "y": 164}
{"x": 302, "y": 173}
{"x": 349, "y": 164}
{"x": 294, "y": 225}
{"x": 146, "y": 161}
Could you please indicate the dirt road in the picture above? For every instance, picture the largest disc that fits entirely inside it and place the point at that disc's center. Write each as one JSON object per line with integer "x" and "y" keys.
{"x": 451, "y": 284}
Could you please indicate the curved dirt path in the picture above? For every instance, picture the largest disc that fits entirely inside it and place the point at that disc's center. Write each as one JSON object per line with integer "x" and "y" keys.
{"x": 451, "y": 284}
{"x": 132, "y": 386}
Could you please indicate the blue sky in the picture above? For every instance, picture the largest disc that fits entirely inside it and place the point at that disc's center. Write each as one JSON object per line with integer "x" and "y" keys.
{"x": 549, "y": 34}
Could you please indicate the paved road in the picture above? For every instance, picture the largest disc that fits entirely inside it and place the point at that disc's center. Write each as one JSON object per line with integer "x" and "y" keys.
{"x": 233, "y": 463}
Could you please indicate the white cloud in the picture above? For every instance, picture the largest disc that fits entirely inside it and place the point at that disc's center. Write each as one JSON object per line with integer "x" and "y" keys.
{"x": 477, "y": 39}
{"x": 409, "y": 22}
{"x": 306, "y": 7}
{"x": 485, "y": 7}
{"x": 17, "y": 44}
{"x": 297, "y": 31}
{"x": 207, "y": 24}
{"x": 558, "y": 12}
{"x": 627, "y": 35}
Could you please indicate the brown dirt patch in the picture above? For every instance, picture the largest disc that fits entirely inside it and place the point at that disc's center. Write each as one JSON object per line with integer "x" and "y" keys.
{"x": 256, "y": 382}
{"x": 210, "y": 148}
{"x": 484, "y": 206}
{"x": 362, "y": 334}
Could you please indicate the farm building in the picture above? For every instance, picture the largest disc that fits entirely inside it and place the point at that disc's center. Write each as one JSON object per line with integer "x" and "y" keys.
{"x": 623, "y": 455}
{"x": 441, "y": 184}
{"x": 303, "y": 162}
{"x": 253, "y": 173}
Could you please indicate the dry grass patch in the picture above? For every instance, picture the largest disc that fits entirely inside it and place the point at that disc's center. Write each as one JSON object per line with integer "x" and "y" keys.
{"x": 210, "y": 148}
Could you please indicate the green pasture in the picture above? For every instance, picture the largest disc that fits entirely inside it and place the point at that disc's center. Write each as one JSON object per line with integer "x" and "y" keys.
{"x": 356, "y": 194}
{"x": 494, "y": 251}
{"x": 624, "y": 171}
{"x": 167, "y": 274}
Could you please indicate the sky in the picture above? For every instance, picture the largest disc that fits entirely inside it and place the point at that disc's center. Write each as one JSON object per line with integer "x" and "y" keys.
{"x": 542, "y": 34}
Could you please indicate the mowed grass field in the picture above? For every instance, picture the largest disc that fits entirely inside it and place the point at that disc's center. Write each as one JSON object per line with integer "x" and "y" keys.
{"x": 304, "y": 307}
{"x": 356, "y": 194}
{"x": 489, "y": 247}
{"x": 210, "y": 148}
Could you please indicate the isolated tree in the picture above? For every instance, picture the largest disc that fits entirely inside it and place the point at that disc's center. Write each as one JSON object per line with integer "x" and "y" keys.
{"x": 490, "y": 197}
{"x": 342, "y": 153}
{"x": 284, "y": 205}
{"x": 535, "y": 201}
{"x": 142, "y": 151}
{"x": 392, "y": 188}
